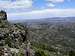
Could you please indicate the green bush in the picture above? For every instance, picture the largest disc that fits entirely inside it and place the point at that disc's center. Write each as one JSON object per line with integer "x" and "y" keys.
{"x": 8, "y": 41}
{"x": 71, "y": 53}
{"x": 40, "y": 53}
{"x": 21, "y": 52}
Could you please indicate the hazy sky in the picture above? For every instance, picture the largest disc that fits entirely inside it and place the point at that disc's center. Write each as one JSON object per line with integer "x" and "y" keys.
{"x": 35, "y": 9}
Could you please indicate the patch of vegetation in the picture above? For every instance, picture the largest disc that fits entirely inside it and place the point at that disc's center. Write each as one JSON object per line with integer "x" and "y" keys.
{"x": 71, "y": 53}
{"x": 40, "y": 53}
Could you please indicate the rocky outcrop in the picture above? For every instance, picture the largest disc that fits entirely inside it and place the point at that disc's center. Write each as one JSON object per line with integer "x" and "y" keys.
{"x": 11, "y": 34}
{"x": 3, "y": 15}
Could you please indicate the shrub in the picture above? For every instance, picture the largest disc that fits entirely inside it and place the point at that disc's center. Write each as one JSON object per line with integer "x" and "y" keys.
{"x": 40, "y": 53}
{"x": 71, "y": 53}
{"x": 21, "y": 52}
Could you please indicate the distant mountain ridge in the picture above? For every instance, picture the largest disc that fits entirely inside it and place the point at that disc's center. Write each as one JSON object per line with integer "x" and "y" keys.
{"x": 53, "y": 19}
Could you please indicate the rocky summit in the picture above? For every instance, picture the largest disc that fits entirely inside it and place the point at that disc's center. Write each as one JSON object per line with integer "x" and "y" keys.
{"x": 11, "y": 35}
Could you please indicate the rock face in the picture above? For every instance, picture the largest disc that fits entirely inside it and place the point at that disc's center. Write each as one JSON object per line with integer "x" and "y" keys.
{"x": 3, "y": 15}
{"x": 1, "y": 51}
{"x": 11, "y": 34}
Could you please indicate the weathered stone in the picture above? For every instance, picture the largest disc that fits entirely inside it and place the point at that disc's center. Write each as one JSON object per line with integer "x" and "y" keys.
{"x": 3, "y": 15}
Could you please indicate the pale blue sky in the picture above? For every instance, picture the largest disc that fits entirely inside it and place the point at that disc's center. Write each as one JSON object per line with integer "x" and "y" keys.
{"x": 43, "y": 3}
{"x": 33, "y": 9}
